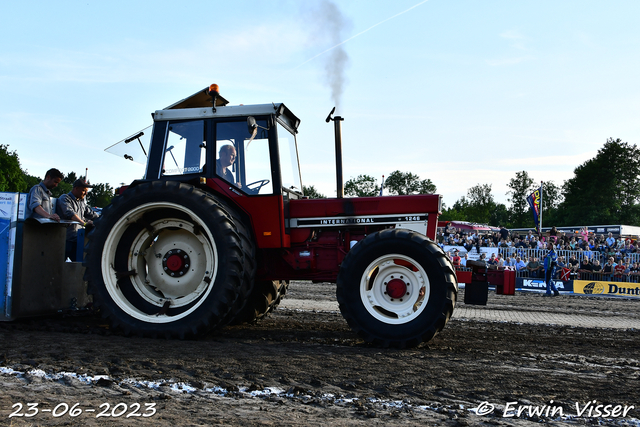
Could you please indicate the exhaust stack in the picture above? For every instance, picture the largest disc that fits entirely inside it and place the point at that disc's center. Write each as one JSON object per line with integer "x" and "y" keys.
{"x": 337, "y": 124}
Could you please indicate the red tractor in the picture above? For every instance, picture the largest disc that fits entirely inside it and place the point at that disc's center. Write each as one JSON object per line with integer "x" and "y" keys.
{"x": 219, "y": 226}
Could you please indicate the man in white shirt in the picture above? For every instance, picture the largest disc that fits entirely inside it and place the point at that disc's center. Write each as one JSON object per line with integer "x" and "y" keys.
{"x": 463, "y": 259}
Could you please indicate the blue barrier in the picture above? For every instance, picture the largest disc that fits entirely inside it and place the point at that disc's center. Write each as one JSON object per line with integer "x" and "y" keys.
{"x": 5, "y": 225}
{"x": 8, "y": 218}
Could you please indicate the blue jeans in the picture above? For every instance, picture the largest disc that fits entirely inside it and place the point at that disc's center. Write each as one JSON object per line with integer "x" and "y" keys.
{"x": 548, "y": 278}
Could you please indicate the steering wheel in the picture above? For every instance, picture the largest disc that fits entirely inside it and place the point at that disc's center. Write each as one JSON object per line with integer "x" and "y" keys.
{"x": 260, "y": 183}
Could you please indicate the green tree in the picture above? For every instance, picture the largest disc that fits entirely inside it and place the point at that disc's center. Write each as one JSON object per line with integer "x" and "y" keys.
{"x": 605, "y": 189}
{"x": 407, "y": 183}
{"x": 100, "y": 195}
{"x": 499, "y": 216}
{"x": 31, "y": 181}
{"x": 312, "y": 193}
{"x": 480, "y": 203}
{"x": 519, "y": 189}
{"x": 70, "y": 178}
{"x": 551, "y": 199}
{"x": 457, "y": 212}
{"x": 12, "y": 178}
{"x": 552, "y": 195}
{"x": 362, "y": 186}
{"x": 477, "y": 206}
{"x": 66, "y": 185}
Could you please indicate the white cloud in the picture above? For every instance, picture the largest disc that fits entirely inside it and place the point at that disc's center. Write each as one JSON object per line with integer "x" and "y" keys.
{"x": 132, "y": 60}
{"x": 509, "y": 61}
{"x": 511, "y": 34}
{"x": 516, "y": 38}
{"x": 544, "y": 162}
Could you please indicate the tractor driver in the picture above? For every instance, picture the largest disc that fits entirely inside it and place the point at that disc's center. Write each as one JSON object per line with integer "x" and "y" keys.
{"x": 227, "y": 155}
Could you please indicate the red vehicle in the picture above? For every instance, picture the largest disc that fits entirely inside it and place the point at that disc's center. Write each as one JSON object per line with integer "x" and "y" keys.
{"x": 219, "y": 226}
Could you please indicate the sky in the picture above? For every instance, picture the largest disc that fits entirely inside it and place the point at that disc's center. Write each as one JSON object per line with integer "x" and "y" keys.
{"x": 459, "y": 92}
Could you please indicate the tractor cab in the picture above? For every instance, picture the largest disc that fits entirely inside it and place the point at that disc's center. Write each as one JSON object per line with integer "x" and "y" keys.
{"x": 249, "y": 150}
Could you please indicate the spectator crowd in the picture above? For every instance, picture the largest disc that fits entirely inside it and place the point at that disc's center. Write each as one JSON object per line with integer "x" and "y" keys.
{"x": 582, "y": 255}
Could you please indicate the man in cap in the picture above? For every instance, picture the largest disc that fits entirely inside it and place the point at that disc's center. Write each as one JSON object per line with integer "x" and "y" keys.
{"x": 71, "y": 206}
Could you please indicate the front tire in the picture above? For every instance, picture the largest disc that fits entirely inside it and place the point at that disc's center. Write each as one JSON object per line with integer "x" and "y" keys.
{"x": 165, "y": 260}
{"x": 396, "y": 288}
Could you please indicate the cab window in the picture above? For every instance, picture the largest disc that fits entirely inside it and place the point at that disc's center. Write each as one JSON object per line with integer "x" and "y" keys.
{"x": 184, "y": 151}
{"x": 289, "y": 160}
{"x": 250, "y": 168}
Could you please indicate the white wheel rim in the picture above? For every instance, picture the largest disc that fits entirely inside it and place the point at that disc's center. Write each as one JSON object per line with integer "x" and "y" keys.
{"x": 387, "y": 306}
{"x": 146, "y": 255}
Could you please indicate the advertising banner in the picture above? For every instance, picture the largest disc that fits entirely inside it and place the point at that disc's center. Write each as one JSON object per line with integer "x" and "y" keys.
{"x": 22, "y": 206}
{"x": 621, "y": 289}
{"x": 539, "y": 284}
{"x": 8, "y": 217}
{"x": 473, "y": 254}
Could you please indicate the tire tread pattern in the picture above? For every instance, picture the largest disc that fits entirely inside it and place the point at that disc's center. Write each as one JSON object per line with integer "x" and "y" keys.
{"x": 265, "y": 298}
{"x": 211, "y": 313}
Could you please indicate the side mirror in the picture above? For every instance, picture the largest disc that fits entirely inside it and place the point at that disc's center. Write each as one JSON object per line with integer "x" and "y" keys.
{"x": 253, "y": 128}
{"x": 251, "y": 124}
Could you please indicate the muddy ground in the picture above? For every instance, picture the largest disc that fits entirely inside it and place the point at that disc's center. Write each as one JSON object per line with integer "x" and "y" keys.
{"x": 307, "y": 368}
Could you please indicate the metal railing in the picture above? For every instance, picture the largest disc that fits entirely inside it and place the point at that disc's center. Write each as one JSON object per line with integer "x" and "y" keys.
{"x": 579, "y": 255}
{"x": 601, "y": 257}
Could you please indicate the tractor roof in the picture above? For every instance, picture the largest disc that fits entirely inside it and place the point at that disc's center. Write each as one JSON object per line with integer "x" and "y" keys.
{"x": 226, "y": 111}
{"x": 206, "y": 112}
{"x": 199, "y": 106}
{"x": 199, "y": 99}
{"x": 279, "y": 109}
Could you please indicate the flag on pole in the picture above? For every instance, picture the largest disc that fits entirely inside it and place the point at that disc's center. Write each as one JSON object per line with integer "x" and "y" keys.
{"x": 534, "y": 201}
{"x": 382, "y": 185}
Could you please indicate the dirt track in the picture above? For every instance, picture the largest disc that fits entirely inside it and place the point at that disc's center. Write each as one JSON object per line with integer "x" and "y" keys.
{"x": 308, "y": 368}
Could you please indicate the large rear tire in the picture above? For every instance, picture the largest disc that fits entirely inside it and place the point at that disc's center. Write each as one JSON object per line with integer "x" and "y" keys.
{"x": 249, "y": 268}
{"x": 396, "y": 288}
{"x": 165, "y": 260}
